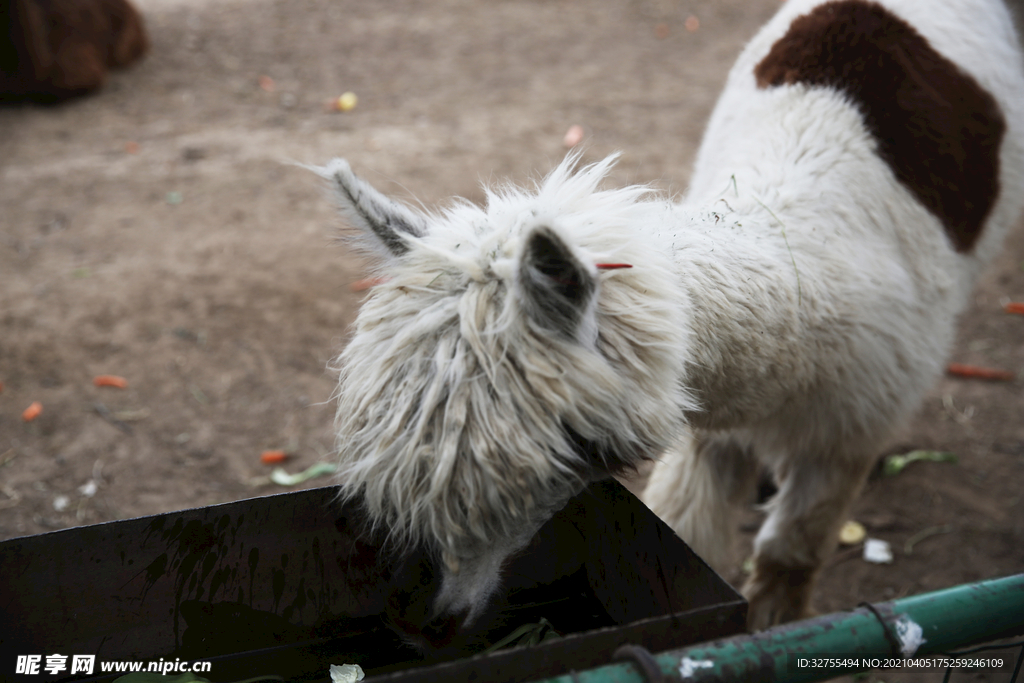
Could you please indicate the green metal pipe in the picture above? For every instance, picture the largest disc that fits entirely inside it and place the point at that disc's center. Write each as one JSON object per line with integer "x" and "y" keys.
{"x": 921, "y": 625}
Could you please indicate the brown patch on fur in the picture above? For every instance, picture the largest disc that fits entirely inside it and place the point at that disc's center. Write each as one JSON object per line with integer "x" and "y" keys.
{"x": 58, "y": 49}
{"x": 936, "y": 127}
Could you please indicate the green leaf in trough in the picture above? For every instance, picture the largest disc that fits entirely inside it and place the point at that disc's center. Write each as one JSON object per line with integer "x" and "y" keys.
{"x": 894, "y": 464}
{"x": 526, "y": 635}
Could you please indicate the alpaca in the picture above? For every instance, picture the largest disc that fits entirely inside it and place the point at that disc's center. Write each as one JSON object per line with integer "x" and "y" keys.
{"x": 862, "y": 165}
{"x": 59, "y": 49}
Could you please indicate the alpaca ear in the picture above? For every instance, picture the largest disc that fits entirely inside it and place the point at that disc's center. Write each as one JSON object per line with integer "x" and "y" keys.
{"x": 389, "y": 223}
{"x": 556, "y": 288}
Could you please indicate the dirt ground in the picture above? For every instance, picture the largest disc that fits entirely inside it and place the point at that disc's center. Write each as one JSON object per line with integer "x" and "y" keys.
{"x": 159, "y": 231}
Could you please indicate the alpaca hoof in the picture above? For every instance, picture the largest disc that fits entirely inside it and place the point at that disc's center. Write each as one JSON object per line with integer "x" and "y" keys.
{"x": 776, "y": 595}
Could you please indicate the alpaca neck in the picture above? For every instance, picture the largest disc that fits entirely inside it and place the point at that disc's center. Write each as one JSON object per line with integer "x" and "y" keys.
{"x": 748, "y": 305}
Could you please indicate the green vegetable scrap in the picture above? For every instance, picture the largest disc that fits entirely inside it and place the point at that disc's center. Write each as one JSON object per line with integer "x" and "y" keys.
{"x": 281, "y": 477}
{"x": 526, "y": 635}
{"x": 894, "y": 464}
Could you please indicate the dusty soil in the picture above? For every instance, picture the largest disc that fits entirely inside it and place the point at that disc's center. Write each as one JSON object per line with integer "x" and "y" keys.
{"x": 159, "y": 231}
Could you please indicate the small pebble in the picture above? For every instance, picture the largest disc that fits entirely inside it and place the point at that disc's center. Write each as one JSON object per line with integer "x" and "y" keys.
{"x": 573, "y": 136}
{"x": 877, "y": 551}
{"x": 852, "y": 533}
{"x": 347, "y": 102}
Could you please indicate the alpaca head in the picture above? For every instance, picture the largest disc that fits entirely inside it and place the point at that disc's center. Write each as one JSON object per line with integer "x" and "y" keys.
{"x": 501, "y": 365}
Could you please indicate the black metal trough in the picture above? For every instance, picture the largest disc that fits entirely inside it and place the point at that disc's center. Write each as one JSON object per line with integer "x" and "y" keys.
{"x": 287, "y": 585}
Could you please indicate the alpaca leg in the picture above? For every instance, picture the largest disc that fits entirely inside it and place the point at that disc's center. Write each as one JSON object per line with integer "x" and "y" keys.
{"x": 75, "y": 33}
{"x": 79, "y": 68}
{"x": 128, "y": 39}
{"x": 696, "y": 489}
{"x": 26, "y": 59}
{"x": 799, "y": 535}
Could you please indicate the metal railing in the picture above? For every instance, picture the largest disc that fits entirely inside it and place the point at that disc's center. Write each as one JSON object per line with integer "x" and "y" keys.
{"x": 926, "y": 632}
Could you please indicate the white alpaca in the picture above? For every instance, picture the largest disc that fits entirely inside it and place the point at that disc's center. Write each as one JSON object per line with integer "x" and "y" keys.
{"x": 789, "y": 313}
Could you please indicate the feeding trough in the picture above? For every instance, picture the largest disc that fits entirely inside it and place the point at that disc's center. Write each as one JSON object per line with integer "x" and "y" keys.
{"x": 287, "y": 585}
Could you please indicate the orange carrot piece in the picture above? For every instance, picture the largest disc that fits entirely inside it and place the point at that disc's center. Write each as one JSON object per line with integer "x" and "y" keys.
{"x": 110, "y": 381}
{"x": 32, "y": 412}
{"x": 1014, "y": 307}
{"x": 978, "y": 372}
{"x": 273, "y": 457}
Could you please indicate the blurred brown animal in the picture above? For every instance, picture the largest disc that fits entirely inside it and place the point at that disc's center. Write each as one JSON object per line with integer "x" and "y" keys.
{"x": 53, "y": 50}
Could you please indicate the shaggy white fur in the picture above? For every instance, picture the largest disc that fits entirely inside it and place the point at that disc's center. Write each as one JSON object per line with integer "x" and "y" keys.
{"x": 791, "y": 311}
{"x": 824, "y": 299}
{"x": 461, "y": 380}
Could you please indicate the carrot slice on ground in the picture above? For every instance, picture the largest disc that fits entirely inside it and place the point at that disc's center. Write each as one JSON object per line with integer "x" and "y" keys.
{"x": 1015, "y": 307}
{"x": 32, "y": 412}
{"x": 273, "y": 457}
{"x": 978, "y": 372}
{"x": 110, "y": 381}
